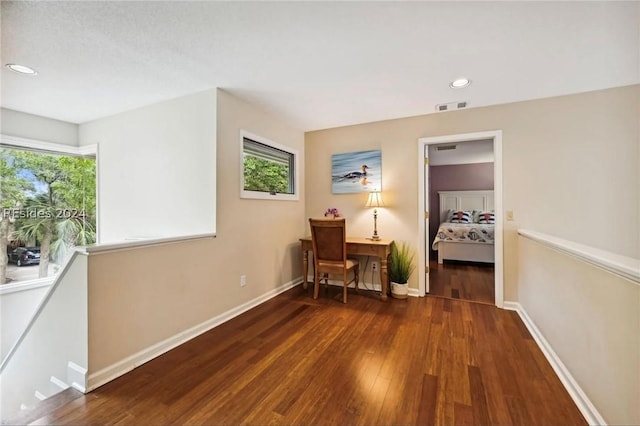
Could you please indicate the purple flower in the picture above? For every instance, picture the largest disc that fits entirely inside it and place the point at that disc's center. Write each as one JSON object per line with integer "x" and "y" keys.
{"x": 332, "y": 212}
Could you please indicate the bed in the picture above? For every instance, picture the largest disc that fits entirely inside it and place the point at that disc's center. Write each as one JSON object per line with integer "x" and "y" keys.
{"x": 467, "y": 229}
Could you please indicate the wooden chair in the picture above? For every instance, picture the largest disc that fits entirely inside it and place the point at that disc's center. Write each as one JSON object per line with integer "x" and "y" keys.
{"x": 329, "y": 241}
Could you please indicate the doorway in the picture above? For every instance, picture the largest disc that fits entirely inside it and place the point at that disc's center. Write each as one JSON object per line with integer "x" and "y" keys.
{"x": 461, "y": 178}
{"x": 495, "y": 137}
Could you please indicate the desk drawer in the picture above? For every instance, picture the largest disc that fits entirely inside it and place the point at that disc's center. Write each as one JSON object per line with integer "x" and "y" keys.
{"x": 365, "y": 249}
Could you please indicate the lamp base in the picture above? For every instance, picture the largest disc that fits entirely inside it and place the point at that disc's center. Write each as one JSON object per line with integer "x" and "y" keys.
{"x": 375, "y": 236}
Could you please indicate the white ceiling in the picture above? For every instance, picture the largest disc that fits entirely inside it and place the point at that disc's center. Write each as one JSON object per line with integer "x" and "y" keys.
{"x": 319, "y": 64}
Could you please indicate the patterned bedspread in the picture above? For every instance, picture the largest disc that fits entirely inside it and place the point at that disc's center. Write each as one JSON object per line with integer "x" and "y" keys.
{"x": 464, "y": 232}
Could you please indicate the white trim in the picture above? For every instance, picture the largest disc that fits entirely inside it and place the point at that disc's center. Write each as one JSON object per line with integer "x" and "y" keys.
{"x": 59, "y": 383}
{"x": 128, "y": 245}
{"x": 98, "y": 191}
{"x": 588, "y": 410}
{"x": 77, "y": 376}
{"x": 26, "y": 285}
{"x": 627, "y": 267}
{"x": 423, "y": 143}
{"x": 423, "y": 205}
{"x": 497, "y": 204}
{"x": 414, "y": 292}
{"x": 257, "y": 195}
{"x": 123, "y": 366}
{"x": 89, "y": 151}
{"x": 38, "y": 145}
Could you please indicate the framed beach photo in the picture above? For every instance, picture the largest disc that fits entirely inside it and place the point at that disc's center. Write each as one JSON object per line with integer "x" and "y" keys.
{"x": 354, "y": 172}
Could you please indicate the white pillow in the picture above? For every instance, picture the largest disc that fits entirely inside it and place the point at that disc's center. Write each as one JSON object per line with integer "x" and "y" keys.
{"x": 486, "y": 218}
{"x": 459, "y": 216}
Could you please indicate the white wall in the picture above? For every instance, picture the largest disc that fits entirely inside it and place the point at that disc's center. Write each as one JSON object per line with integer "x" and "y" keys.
{"x": 145, "y": 297}
{"x": 16, "y": 309}
{"x": 29, "y": 126}
{"x": 156, "y": 169}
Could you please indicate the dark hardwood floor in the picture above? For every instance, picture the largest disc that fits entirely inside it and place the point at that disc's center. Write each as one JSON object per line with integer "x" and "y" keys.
{"x": 296, "y": 361}
{"x": 470, "y": 281}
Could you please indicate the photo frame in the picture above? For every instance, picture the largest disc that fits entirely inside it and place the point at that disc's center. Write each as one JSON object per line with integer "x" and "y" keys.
{"x": 355, "y": 172}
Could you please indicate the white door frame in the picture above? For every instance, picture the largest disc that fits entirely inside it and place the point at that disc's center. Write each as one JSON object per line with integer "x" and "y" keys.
{"x": 423, "y": 205}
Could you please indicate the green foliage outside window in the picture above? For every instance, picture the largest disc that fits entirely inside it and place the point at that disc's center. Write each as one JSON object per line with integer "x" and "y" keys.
{"x": 59, "y": 191}
{"x": 265, "y": 176}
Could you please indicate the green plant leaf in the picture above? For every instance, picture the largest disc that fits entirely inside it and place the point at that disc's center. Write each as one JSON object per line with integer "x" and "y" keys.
{"x": 401, "y": 264}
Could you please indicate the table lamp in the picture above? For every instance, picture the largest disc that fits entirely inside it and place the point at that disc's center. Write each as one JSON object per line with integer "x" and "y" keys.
{"x": 375, "y": 201}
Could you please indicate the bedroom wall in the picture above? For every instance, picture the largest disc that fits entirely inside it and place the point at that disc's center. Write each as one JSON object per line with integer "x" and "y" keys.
{"x": 454, "y": 177}
{"x": 566, "y": 161}
{"x": 139, "y": 298}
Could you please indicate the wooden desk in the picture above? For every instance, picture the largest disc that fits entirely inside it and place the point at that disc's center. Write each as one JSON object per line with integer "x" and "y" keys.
{"x": 355, "y": 246}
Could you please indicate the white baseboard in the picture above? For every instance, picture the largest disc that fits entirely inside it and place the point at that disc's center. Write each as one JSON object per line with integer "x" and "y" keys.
{"x": 414, "y": 292}
{"x": 588, "y": 410}
{"x": 77, "y": 376}
{"x": 57, "y": 385}
{"x": 122, "y": 367}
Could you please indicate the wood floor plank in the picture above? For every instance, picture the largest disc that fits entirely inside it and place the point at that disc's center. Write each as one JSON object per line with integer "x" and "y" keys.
{"x": 428, "y": 399}
{"x": 491, "y": 378}
{"x": 479, "y": 404}
{"x": 463, "y": 415}
{"x": 294, "y": 360}
{"x": 462, "y": 280}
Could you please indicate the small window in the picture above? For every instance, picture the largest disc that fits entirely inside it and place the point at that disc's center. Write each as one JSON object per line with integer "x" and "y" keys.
{"x": 269, "y": 170}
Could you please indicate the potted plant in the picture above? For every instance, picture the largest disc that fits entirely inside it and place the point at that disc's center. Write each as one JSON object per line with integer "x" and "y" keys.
{"x": 400, "y": 269}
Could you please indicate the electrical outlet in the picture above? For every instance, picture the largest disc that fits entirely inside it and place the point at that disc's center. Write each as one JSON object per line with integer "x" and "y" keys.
{"x": 375, "y": 266}
{"x": 243, "y": 280}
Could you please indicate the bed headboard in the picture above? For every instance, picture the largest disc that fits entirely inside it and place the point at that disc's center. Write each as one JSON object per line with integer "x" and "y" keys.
{"x": 465, "y": 200}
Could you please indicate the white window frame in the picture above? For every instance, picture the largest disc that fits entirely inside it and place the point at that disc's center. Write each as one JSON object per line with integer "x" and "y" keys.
{"x": 260, "y": 195}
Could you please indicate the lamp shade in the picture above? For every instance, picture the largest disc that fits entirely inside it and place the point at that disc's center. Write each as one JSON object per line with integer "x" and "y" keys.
{"x": 375, "y": 199}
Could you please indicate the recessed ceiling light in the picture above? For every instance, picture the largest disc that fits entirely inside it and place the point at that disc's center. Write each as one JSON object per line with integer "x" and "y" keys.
{"x": 22, "y": 69}
{"x": 460, "y": 83}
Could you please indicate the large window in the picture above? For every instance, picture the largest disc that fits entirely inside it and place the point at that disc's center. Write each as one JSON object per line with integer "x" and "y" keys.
{"x": 47, "y": 207}
{"x": 269, "y": 170}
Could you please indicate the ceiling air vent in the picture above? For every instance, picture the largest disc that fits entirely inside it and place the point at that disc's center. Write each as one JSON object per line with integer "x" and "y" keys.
{"x": 451, "y": 106}
{"x": 445, "y": 148}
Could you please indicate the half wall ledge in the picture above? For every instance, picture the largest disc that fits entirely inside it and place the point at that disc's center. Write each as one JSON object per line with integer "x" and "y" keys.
{"x": 627, "y": 267}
